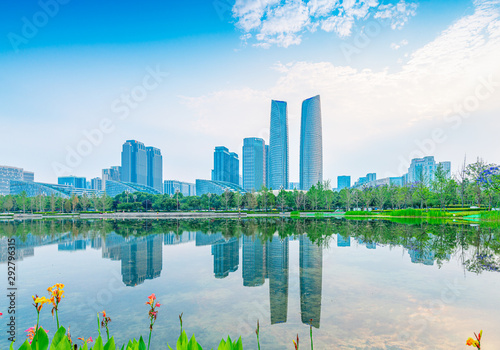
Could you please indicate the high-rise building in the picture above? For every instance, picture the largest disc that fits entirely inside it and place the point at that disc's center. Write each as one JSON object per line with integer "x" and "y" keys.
{"x": 96, "y": 184}
{"x": 134, "y": 167}
{"x": 254, "y": 163}
{"x": 424, "y": 169}
{"x": 311, "y": 144}
{"x": 278, "y": 146}
{"x": 155, "y": 168}
{"x": 226, "y": 166}
{"x": 268, "y": 170}
{"x": 112, "y": 174}
{"x": 8, "y": 173}
{"x": 343, "y": 181}
{"x": 76, "y": 182}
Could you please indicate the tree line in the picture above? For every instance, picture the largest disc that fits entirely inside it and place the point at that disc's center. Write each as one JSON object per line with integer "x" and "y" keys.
{"x": 476, "y": 184}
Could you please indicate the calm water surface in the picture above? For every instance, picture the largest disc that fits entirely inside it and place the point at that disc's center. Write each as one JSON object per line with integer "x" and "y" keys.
{"x": 364, "y": 284}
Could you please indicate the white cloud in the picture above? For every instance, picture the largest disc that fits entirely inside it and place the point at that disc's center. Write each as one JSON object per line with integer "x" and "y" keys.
{"x": 282, "y": 22}
{"x": 397, "y": 46}
{"x": 363, "y": 108}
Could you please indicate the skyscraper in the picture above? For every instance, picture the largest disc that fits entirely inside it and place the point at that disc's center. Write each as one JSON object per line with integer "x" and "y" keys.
{"x": 134, "y": 163}
{"x": 278, "y": 146}
{"x": 155, "y": 168}
{"x": 311, "y": 144}
{"x": 254, "y": 163}
{"x": 112, "y": 174}
{"x": 343, "y": 181}
{"x": 226, "y": 166}
{"x": 268, "y": 171}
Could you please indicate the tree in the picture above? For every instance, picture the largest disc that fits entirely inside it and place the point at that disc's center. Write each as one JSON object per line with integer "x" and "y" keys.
{"x": 300, "y": 199}
{"x": 367, "y": 196}
{"x": 226, "y": 196}
{"x": 84, "y": 201}
{"x": 380, "y": 195}
{"x": 439, "y": 185}
{"x": 52, "y": 202}
{"x": 462, "y": 181}
{"x": 346, "y": 198}
{"x": 474, "y": 172}
{"x": 282, "y": 199}
{"x": 74, "y": 201}
{"x": 422, "y": 193}
{"x": 238, "y": 198}
{"x": 23, "y": 200}
{"x": 8, "y": 203}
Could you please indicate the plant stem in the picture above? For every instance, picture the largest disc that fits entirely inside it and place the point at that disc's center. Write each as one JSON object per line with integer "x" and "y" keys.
{"x": 149, "y": 340}
{"x": 311, "y": 334}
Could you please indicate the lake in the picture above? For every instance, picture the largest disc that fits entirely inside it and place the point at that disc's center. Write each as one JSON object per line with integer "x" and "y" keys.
{"x": 360, "y": 284}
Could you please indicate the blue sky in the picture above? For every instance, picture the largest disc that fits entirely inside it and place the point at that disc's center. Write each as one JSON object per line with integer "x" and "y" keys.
{"x": 392, "y": 76}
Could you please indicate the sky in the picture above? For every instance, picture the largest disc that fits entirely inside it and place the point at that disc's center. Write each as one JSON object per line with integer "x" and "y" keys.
{"x": 397, "y": 79}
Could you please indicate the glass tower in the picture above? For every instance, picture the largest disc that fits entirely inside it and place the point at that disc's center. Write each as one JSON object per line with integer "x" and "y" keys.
{"x": 226, "y": 166}
{"x": 278, "y": 146}
{"x": 254, "y": 163}
{"x": 311, "y": 144}
{"x": 155, "y": 168}
{"x": 134, "y": 167}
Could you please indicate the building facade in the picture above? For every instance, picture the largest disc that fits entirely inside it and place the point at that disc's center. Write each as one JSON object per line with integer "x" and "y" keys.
{"x": 216, "y": 187}
{"x": 112, "y": 174}
{"x": 424, "y": 169}
{"x": 134, "y": 166}
{"x": 74, "y": 181}
{"x": 226, "y": 166}
{"x": 278, "y": 146}
{"x": 343, "y": 181}
{"x": 311, "y": 144}
{"x": 254, "y": 163}
{"x": 8, "y": 173}
{"x": 155, "y": 168}
{"x": 171, "y": 187}
{"x": 96, "y": 184}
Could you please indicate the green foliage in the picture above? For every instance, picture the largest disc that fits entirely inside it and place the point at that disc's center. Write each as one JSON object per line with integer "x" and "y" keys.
{"x": 230, "y": 345}
{"x": 184, "y": 344}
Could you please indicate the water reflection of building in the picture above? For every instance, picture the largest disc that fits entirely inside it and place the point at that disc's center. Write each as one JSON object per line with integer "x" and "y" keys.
{"x": 254, "y": 268}
{"x": 369, "y": 245}
{"x": 421, "y": 257}
{"x": 77, "y": 244}
{"x": 343, "y": 241}
{"x": 277, "y": 271}
{"x": 203, "y": 239}
{"x": 141, "y": 257}
{"x": 226, "y": 257}
{"x": 174, "y": 238}
{"x": 311, "y": 270}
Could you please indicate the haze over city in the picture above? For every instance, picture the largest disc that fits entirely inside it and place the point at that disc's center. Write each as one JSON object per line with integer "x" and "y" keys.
{"x": 188, "y": 76}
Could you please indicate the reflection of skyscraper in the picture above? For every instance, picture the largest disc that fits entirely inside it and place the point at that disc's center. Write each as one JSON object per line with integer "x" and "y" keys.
{"x": 278, "y": 146}
{"x": 311, "y": 278}
{"x": 277, "y": 271}
{"x": 155, "y": 258}
{"x": 141, "y": 258}
{"x": 226, "y": 257}
{"x": 253, "y": 262}
{"x": 311, "y": 144}
{"x": 203, "y": 239}
{"x": 343, "y": 241}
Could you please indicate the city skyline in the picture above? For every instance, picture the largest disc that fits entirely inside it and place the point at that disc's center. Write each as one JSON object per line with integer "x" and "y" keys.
{"x": 407, "y": 79}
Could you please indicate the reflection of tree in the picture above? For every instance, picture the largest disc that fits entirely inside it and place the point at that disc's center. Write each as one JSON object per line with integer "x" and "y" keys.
{"x": 477, "y": 247}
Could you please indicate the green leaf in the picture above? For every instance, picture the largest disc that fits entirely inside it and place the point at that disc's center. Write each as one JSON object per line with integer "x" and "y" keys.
{"x": 142, "y": 345}
{"x": 59, "y": 337}
{"x": 193, "y": 344}
{"x": 85, "y": 346}
{"x": 182, "y": 341}
{"x": 42, "y": 340}
{"x": 98, "y": 344}
{"x": 26, "y": 345}
{"x": 222, "y": 345}
{"x": 110, "y": 345}
{"x": 238, "y": 345}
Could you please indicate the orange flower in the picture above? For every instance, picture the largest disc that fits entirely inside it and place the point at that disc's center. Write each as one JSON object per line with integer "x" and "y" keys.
{"x": 103, "y": 313}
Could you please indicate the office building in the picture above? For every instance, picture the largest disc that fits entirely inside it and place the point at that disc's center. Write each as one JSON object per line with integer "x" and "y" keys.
{"x": 96, "y": 183}
{"x": 171, "y": 187}
{"x": 268, "y": 169}
{"x": 343, "y": 181}
{"x": 155, "y": 168}
{"x": 226, "y": 166}
{"x": 134, "y": 168}
{"x": 311, "y": 144}
{"x": 8, "y": 173}
{"x": 74, "y": 181}
{"x": 114, "y": 188}
{"x": 28, "y": 176}
{"x": 278, "y": 146}
{"x": 424, "y": 169}
{"x": 112, "y": 174}
{"x": 254, "y": 163}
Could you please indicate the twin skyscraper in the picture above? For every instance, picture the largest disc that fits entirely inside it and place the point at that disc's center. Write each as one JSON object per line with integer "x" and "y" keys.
{"x": 269, "y": 164}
